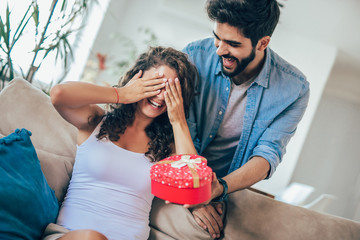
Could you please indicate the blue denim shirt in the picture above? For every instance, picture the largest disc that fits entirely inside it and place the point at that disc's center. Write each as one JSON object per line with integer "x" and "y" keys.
{"x": 276, "y": 102}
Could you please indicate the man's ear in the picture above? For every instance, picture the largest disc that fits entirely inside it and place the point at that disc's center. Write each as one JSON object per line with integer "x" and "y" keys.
{"x": 263, "y": 43}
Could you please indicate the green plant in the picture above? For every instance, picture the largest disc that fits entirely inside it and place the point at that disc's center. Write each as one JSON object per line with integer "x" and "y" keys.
{"x": 46, "y": 41}
{"x": 7, "y": 42}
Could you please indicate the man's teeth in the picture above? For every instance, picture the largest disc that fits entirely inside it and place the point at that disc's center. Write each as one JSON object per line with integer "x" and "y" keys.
{"x": 155, "y": 104}
{"x": 229, "y": 59}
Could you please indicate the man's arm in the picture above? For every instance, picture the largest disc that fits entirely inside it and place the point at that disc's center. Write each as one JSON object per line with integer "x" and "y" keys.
{"x": 255, "y": 170}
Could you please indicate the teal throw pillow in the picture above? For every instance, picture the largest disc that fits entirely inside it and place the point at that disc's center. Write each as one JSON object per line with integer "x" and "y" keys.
{"x": 27, "y": 203}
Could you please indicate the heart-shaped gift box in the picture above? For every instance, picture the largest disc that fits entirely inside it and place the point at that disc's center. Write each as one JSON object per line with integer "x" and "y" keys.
{"x": 182, "y": 179}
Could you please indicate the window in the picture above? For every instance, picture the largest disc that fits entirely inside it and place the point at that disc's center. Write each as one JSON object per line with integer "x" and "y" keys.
{"x": 81, "y": 40}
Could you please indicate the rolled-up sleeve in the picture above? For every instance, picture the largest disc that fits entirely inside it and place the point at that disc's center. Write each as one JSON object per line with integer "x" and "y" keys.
{"x": 272, "y": 143}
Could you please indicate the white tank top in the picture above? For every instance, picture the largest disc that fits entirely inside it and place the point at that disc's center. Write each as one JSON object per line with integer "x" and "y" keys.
{"x": 109, "y": 191}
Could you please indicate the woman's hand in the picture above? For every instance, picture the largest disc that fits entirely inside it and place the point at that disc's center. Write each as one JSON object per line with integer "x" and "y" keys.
{"x": 174, "y": 102}
{"x": 139, "y": 88}
{"x": 176, "y": 113}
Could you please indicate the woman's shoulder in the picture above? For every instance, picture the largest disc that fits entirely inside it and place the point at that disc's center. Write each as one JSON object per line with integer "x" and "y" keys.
{"x": 92, "y": 129}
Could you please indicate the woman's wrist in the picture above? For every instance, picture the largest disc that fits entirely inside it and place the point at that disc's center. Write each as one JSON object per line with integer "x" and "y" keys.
{"x": 181, "y": 124}
{"x": 122, "y": 95}
{"x": 117, "y": 94}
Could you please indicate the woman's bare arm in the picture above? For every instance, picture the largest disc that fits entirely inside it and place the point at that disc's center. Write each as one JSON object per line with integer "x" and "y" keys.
{"x": 77, "y": 101}
{"x": 175, "y": 108}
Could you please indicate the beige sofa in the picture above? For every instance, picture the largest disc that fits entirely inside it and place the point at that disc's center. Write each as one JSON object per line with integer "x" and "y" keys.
{"x": 254, "y": 217}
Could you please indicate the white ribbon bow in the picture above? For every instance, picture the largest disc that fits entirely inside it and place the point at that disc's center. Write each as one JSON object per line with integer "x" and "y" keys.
{"x": 186, "y": 161}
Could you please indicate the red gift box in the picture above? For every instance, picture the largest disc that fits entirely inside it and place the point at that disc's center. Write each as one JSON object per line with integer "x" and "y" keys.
{"x": 182, "y": 179}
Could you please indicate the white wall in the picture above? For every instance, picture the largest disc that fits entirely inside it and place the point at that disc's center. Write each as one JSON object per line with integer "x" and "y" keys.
{"x": 329, "y": 159}
{"x": 323, "y": 57}
{"x": 175, "y": 23}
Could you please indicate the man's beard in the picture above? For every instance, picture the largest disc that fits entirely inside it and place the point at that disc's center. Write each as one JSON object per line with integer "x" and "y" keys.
{"x": 240, "y": 66}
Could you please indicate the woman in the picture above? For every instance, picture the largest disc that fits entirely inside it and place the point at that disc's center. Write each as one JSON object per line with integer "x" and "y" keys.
{"x": 109, "y": 192}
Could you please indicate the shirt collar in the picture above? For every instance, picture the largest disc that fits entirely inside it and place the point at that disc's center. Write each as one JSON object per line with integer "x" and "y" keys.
{"x": 262, "y": 78}
{"x": 218, "y": 69}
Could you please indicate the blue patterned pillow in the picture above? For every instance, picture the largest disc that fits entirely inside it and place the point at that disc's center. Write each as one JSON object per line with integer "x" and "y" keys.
{"x": 27, "y": 203}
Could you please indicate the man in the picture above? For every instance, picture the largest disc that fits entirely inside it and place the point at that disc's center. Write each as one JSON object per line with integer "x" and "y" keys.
{"x": 249, "y": 100}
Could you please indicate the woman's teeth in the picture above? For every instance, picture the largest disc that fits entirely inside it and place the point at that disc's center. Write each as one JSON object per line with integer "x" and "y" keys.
{"x": 155, "y": 104}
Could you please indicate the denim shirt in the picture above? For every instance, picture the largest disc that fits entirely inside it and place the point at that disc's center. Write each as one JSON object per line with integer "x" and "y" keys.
{"x": 276, "y": 102}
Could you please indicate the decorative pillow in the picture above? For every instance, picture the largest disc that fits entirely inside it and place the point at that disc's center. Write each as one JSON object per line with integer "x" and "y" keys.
{"x": 27, "y": 203}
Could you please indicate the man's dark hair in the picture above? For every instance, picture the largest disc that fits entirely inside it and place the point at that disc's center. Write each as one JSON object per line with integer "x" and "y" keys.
{"x": 254, "y": 18}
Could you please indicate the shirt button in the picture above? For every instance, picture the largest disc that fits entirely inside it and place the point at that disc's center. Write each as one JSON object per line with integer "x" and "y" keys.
{"x": 210, "y": 136}
{"x": 220, "y": 113}
{"x": 227, "y": 89}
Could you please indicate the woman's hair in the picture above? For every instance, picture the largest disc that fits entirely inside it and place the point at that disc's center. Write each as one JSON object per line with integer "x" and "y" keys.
{"x": 254, "y": 18}
{"x": 160, "y": 130}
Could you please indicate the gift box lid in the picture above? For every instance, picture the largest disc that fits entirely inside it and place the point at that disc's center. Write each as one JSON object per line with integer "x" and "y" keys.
{"x": 182, "y": 171}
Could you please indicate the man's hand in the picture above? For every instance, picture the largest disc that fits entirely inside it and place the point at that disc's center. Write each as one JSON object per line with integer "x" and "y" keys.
{"x": 216, "y": 190}
{"x": 209, "y": 218}
{"x": 207, "y": 214}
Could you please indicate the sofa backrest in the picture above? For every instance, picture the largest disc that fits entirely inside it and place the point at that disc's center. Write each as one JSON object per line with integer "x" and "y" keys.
{"x": 24, "y": 106}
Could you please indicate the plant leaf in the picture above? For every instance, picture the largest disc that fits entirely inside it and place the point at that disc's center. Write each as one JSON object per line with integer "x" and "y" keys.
{"x": 7, "y": 25}
{"x": 22, "y": 25}
{"x": 35, "y": 15}
{"x": 63, "y": 5}
{"x": 2, "y": 29}
{"x": 22, "y": 21}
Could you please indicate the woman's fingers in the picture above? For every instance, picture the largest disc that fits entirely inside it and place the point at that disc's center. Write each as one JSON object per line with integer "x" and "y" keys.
{"x": 169, "y": 91}
{"x": 173, "y": 89}
{"x": 156, "y": 76}
{"x": 178, "y": 87}
{"x": 153, "y": 85}
{"x": 150, "y": 94}
{"x": 149, "y": 87}
{"x": 138, "y": 75}
{"x": 167, "y": 100}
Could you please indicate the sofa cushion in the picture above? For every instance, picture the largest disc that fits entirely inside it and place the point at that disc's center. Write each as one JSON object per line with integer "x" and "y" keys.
{"x": 27, "y": 203}
{"x": 24, "y": 106}
{"x": 254, "y": 216}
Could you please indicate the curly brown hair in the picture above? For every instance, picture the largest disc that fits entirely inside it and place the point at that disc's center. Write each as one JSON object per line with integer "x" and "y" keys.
{"x": 160, "y": 130}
